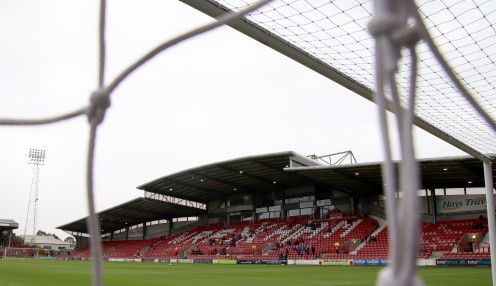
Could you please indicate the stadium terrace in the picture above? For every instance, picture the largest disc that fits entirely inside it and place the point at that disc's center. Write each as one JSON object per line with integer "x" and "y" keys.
{"x": 285, "y": 207}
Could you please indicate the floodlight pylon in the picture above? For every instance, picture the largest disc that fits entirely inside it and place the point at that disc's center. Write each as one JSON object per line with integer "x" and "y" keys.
{"x": 37, "y": 159}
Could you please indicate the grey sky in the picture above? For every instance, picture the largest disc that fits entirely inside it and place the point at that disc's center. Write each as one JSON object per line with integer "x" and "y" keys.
{"x": 218, "y": 96}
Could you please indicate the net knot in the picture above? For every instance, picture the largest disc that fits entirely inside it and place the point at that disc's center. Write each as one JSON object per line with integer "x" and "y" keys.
{"x": 99, "y": 102}
{"x": 408, "y": 36}
{"x": 383, "y": 25}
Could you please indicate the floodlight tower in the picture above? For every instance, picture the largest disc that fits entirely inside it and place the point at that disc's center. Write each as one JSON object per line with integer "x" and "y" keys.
{"x": 37, "y": 159}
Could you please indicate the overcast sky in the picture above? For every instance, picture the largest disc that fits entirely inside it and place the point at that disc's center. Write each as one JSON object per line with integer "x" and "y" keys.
{"x": 216, "y": 97}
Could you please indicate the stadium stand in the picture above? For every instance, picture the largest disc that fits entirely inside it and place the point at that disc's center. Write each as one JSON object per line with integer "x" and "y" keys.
{"x": 301, "y": 209}
{"x": 295, "y": 238}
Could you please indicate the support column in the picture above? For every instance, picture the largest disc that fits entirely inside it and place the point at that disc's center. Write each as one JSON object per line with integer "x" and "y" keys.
{"x": 283, "y": 204}
{"x": 112, "y": 235}
{"x": 171, "y": 225}
{"x": 10, "y": 238}
{"x": 143, "y": 230}
{"x": 6, "y": 248}
{"x": 254, "y": 208}
{"x": 488, "y": 179}
{"x": 427, "y": 202}
{"x": 127, "y": 233}
{"x": 434, "y": 204}
{"x": 352, "y": 205}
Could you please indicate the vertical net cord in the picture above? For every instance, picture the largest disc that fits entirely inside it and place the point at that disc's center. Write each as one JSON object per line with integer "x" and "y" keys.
{"x": 93, "y": 221}
{"x": 388, "y": 173}
{"x": 101, "y": 38}
{"x": 410, "y": 174}
{"x": 409, "y": 218}
{"x": 391, "y": 33}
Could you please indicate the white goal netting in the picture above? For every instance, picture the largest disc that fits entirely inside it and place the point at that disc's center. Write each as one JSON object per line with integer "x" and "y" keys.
{"x": 335, "y": 33}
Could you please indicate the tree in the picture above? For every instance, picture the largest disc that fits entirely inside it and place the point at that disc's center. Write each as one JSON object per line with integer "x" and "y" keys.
{"x": 41, "y": 232}
{"x": 17, "y": 240}
{"x": 14, "y": 240}
{"x": 70, "y": 239}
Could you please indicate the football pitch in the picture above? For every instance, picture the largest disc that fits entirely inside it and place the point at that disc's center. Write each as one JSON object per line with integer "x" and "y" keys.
{"x": 45, "y": 272}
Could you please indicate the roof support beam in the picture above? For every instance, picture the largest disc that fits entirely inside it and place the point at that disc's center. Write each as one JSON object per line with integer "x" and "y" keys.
{"x": 175, "y": 195}
{"x": 157, "y": 214}
{"x": 308, "y": 179}
{"x": 193, "y": 186}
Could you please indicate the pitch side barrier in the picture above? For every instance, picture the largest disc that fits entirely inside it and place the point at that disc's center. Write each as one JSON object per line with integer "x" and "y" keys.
{"x": 314, "y": 262}
{"x": 463, "y": 262}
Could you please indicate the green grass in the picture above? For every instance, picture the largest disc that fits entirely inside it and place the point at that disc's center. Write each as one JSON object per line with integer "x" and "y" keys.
{"x": 40, "y": 272}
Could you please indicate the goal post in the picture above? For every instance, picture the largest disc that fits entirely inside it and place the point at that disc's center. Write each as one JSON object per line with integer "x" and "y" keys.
{"x": 21, "y": 252}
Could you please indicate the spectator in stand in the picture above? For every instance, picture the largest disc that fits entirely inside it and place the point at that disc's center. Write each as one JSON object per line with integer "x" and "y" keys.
{"x": 336, "y": 247}
{"x": 313, "y": 250}
{"x": 372, "y": 239}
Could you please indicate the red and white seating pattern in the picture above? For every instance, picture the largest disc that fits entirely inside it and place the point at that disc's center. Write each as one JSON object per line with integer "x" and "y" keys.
{"x": 296, "y": 238}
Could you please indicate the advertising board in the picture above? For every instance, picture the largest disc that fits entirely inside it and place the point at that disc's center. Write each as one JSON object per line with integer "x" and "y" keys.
{"x": 186, "y": 261}
{"x": 308, "y": 262}
{"x": 262, "y": 262}
{"x": 262, "y": 210}
{"x": 202, "y": 261}
{"x": 224, "y": 261}
{"x": 370, "y": 262}
{"x": 326, "y": 202}
{"x": 304, "y": 205}
{"x": 463, "y": 262}
{"x": 460, "y": 203}
{"x": 337, "y": 262}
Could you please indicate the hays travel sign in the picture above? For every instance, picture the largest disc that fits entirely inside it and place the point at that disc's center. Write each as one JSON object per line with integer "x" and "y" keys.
{"x": 455, "y": 204}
